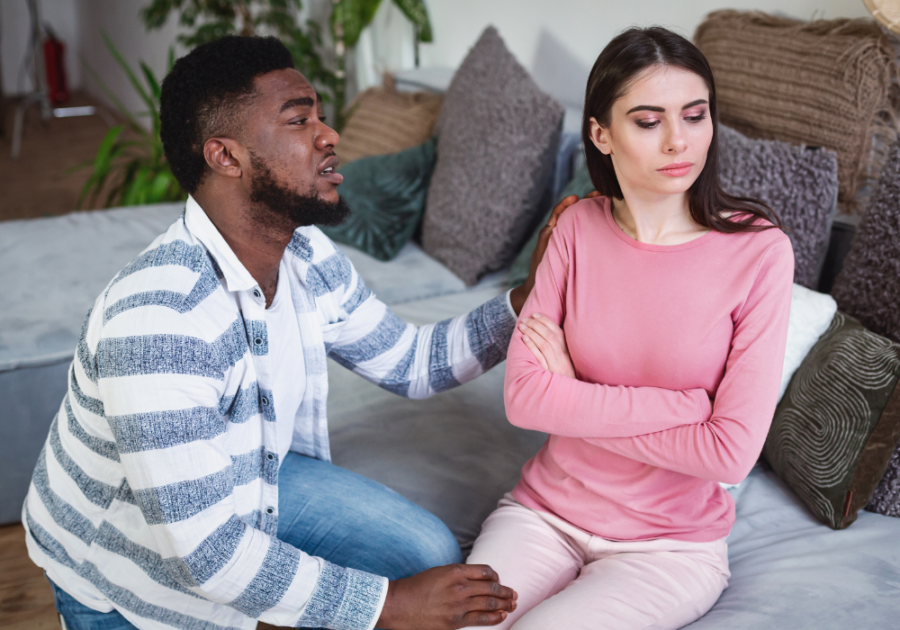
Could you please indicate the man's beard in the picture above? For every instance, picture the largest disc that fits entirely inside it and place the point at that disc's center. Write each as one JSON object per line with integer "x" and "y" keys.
{"x": 278, "y": 206}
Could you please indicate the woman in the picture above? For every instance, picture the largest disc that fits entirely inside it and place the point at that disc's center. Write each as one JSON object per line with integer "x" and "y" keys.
{"x": 674, "y": 298}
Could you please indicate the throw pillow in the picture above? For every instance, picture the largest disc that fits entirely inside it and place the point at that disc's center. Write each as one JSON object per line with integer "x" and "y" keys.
{"x": 580, "y": 185}
{"x": 811, "y": 315}
{"x": 868, "y": 286}
{"x": 836, "y": 428}
{"x": 824, "y": 83}
{"x": 498, "y": 137}
{"x": 799, "y": 183}
{"x": 386, "y": 195}
{"x": 383, "y": 120}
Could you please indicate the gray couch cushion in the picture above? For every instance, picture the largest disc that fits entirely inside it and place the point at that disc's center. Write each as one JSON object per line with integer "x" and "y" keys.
{"x": 498, "y": 135}
{"x": 799, "y": 183}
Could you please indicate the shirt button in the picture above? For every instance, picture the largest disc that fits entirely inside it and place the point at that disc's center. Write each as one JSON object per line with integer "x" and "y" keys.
{"x": 258, "y": 341}
{"x": 265, "y": 401}
{"x": 270, "y": 457}
{"x": 270, "y": 510}
{"x": 257, "y": 293}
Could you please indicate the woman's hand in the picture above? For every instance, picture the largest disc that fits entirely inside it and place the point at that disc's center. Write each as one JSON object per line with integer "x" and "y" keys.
{"x": 547, "y": 343}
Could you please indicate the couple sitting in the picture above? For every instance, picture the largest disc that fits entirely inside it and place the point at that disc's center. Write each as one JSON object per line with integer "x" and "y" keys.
{"x": 186, "y": 480}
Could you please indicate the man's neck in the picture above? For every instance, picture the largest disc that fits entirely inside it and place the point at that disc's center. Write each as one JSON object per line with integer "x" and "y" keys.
{"x": 258, "y": 245}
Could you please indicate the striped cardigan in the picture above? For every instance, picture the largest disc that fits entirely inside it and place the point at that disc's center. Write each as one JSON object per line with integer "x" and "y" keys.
{"x": 156, "y": 492}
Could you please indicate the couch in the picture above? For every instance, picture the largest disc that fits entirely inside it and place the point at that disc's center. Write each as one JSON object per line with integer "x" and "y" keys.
{"x": 454, "y": 454}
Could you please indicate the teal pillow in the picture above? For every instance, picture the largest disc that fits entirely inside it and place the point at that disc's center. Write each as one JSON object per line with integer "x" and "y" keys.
{"x": 386, "y": 195}
{"x": 580, "y": 185}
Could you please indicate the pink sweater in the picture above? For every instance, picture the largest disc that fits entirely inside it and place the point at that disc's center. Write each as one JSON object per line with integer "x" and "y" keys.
{"x": 635, "y": 450}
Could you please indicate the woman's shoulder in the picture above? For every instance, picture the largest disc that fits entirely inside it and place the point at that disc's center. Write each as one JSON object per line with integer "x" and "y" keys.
{"x": 581, "y": 213}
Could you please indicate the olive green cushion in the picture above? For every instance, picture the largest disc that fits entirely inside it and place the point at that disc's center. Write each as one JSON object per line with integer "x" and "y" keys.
{"x": 386, "y": 195}
{"x": 837, "y": 426}
{"x": 580, "y": 185}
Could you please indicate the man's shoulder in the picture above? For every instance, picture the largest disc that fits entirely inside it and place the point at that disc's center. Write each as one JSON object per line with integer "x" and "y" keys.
{"x": 174, "y": 273}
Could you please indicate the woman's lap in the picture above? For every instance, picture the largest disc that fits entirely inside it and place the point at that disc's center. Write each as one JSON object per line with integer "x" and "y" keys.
{"x": 578, "y": 581}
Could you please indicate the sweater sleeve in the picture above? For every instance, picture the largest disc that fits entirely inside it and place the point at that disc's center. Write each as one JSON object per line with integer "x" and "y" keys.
{"x": 725, "y": 447}
{"x": 541, "y": 400}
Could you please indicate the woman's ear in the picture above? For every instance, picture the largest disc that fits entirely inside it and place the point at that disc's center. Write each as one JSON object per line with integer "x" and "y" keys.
{"x": 600, "y": 137}
{"x": 220, "y": 156}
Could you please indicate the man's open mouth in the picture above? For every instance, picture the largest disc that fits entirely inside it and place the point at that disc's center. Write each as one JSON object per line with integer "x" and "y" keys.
{"x": 327, "y": 171}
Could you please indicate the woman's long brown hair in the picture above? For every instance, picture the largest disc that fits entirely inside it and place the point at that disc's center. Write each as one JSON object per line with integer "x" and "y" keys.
{"x": 623, "y": 59}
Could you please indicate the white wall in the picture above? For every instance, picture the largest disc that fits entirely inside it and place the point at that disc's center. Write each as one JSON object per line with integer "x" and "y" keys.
{"x": 15, "y": 37}
{"x": 558, "y": 40}
{"x": 119, "y": 19}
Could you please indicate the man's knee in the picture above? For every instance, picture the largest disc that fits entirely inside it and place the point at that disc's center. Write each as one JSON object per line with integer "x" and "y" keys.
{"x": 429, "y": 543}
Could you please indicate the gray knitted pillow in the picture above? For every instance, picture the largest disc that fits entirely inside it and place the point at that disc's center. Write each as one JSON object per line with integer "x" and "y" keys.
{"x": 497, "y": 139}
{"x": 799, "y": 183}
{"x": 868, "y": 288}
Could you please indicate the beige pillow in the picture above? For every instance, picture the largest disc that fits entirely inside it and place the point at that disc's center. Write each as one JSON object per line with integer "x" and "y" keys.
{"x": 825, "y": 83}
{"x": 383, "y": 120}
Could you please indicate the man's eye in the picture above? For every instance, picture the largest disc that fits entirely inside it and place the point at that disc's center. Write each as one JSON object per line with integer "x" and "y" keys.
{"x": 323, "y": 119}
{"x": 302, "y": 121}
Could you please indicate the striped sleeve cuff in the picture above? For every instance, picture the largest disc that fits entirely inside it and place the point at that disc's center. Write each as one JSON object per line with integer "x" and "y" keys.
{"x": 344, "y": 599}
{"x": 489, "y": 329}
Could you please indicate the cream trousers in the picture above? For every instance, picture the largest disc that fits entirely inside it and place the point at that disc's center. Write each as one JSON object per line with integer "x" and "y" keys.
{"x": 568, "y": 579}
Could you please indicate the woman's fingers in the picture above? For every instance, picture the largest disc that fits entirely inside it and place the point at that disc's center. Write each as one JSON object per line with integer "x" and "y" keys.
{"x": 544, "y": 336}
{"x": 542, "y": 361}
{"x": 547, "y": 328}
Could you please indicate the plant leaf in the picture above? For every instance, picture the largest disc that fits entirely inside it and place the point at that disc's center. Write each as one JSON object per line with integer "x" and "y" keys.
{"x": 132, "y": 77}
{"x": 152, "y": 82}
{"x": 417, "y": 13}
{"x": 115, "y": 100}
{"x": 104, "y": 158}
{"x": 352, "y": 16}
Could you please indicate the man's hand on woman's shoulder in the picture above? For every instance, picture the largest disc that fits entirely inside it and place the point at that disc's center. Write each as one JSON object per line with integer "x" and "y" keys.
{"x": 518, "y": 295}
{"x": 445, "y": 598}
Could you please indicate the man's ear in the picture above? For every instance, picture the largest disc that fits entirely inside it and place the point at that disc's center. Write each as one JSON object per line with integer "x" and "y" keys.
{"x": 221, "y": 156}
{"x": 600, "y": 137}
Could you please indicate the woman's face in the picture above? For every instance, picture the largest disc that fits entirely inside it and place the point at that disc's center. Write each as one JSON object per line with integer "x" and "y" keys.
{"x": 659, "y": 132}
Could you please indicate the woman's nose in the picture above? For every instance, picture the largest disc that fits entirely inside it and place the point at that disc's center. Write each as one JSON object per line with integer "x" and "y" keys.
{"x": 675, "y": 142}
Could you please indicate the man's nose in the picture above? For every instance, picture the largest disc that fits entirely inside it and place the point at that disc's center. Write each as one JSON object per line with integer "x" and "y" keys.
{"x": 327, "y": 137}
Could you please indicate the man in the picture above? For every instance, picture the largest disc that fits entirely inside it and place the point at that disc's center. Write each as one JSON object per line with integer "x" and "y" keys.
{"x": 186, "y": 479}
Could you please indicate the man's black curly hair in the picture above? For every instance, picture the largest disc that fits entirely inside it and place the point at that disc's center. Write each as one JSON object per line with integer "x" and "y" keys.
{"x": 204, "y": 95}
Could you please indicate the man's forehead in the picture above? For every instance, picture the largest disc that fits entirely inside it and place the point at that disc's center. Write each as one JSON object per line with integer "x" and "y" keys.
{"x": 286, "y": 88}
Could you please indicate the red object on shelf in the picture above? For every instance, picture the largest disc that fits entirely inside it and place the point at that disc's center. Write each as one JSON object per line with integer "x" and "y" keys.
{"x": 54, "y": 63}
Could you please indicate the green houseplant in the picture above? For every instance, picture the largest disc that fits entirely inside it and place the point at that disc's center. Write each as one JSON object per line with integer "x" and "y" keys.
{"x": 135, "y": 166}
{"x": 348, "y": 20}
{"x": 211, "y": 19}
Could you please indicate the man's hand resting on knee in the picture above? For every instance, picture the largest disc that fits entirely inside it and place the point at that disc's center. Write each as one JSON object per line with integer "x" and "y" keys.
{"x": 447, "y": 597}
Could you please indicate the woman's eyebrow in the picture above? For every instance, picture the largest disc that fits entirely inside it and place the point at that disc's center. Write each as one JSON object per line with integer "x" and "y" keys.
{"x": 656, "y": 108}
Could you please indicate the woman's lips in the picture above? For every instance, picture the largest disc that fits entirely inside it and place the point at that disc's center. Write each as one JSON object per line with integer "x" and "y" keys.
{"x": 678, "y": 169}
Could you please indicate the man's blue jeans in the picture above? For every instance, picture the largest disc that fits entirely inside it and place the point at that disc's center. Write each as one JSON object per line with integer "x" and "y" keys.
{"x": 335, "y": 514}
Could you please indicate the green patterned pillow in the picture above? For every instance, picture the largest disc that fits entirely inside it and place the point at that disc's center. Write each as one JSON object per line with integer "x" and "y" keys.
{"x": 386, "y": 195}
{"x": 836, "y": 428}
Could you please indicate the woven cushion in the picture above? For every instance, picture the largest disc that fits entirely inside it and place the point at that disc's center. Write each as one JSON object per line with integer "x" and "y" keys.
{"x": 799, "y": 183}
{"x": 498, "y": 138}
{"x": 823, "y": 83}
{"x": 839, "y": 422}
{"x": 386, "y": 195}
{"x": 383, "y": 120}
